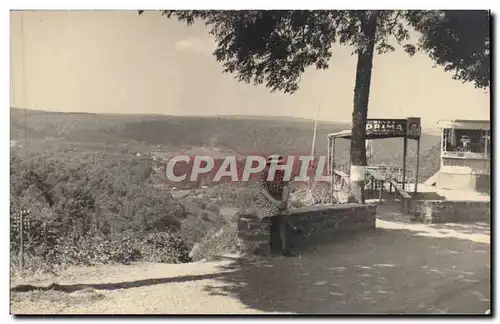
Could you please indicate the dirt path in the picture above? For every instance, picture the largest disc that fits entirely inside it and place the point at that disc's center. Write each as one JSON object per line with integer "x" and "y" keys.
{"x": 399, "y": 268}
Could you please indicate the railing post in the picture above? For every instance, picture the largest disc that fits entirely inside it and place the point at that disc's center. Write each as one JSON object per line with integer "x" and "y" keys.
{"x": 21, "y": 239}
{"x": 22, "y": 214}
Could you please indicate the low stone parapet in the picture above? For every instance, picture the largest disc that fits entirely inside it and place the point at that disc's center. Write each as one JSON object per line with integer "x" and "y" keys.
{"x": 450, "y": 211}
{"x": 310, "y": 225}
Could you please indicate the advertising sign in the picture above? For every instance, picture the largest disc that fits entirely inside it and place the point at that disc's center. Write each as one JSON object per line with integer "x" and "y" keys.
{"x": 384, "y": 128}
{"x": 414, "y": 129}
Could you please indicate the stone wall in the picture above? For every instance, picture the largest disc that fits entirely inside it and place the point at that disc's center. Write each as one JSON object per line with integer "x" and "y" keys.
{"x": 453, "y": 181}
{"x": 310, "y": 225}
{"x": 450, "y": 211}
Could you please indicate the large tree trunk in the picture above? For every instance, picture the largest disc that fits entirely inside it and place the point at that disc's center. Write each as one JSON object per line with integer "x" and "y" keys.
{"x": 360, "y": 111}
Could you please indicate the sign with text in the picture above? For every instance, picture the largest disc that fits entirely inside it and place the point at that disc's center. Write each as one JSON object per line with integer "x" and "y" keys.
{"x": 414, "y": 129}
{"x": 386, "y": 128}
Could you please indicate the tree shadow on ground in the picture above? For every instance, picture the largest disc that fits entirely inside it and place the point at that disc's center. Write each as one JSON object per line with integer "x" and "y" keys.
{"x": 384, "y": 272}
{"x": 115, "y": 286}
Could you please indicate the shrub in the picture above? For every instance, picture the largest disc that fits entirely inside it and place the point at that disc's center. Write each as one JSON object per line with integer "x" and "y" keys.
{"x": 94, "y": 250}
{"x": 123, "y": 248}
{"x": 217, "y": 242}
{"x": 166, "y": 247}
{"x": 88, "y": 213}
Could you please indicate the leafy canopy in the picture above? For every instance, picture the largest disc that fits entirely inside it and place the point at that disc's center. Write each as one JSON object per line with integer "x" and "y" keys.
{"x": 274, "y": 47}
{"x": 458, "y": 40}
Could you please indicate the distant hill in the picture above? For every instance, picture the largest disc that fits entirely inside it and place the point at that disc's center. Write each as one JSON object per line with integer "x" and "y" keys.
{"x": 241, "y": 134}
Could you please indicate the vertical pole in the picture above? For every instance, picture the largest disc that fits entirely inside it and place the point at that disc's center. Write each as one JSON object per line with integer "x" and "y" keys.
{"x": 329, "y": 167}
{"x": 332, "y": 164}
{"x": 405, "y": 149}
{"x": 486, "y": 144}
{"x": 372, "y": 184}
{"x": 443, "y": 147}
{"x": 25, "y": 105}
{"x": 328, "y": 161}
{"x": 21, "y": 236}
{"x": 418, "y": 165}
{"x": 314, "y": 133}
{"x": 23, "y": 57}
{"x": 333, "y": 155}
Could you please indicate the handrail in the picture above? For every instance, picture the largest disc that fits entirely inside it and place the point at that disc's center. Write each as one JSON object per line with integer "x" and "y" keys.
{"x": 380, "y": 177}
{"x": 400, "y": 189}
{"x": 395, "y": 171}
{"x": 377, "y": 175}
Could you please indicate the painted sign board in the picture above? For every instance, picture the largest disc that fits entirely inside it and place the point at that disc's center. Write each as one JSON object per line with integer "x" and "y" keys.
{"x": 385, "y": 128}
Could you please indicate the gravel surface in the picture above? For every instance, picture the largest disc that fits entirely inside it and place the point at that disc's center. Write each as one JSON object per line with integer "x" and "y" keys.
{"x": 398, "y": 268}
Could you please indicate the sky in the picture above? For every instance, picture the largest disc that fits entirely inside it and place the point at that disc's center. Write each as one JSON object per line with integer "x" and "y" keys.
{"x": 120, "y": 62}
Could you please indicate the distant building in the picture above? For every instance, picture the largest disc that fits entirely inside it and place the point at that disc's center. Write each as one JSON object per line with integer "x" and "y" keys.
{"x": 465, "y": 155}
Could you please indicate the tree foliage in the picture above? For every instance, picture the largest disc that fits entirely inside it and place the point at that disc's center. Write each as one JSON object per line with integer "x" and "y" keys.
{"x": 274, "y": 47}
{"x": 458, "y": 40}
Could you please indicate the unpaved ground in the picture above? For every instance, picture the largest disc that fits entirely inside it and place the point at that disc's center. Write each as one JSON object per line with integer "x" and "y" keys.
{"x": 399, "y": 268}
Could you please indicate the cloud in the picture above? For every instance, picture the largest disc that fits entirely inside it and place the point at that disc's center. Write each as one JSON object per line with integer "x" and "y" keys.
{"x": 194, "y": 44}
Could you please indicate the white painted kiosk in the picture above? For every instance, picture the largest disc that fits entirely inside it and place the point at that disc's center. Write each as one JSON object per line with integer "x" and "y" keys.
{"x": 465, "y": 156}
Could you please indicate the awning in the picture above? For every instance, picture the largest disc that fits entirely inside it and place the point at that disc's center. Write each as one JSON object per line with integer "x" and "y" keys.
{"x": 341, "y": 134}
{"x": 346, "y": 134}
{"x": 464, "y": 124}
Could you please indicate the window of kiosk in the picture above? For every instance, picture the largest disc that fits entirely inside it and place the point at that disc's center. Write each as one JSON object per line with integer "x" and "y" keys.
{"x": 472, "y": 142}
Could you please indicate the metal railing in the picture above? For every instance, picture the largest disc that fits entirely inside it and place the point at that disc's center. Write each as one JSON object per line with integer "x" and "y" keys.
{"x": 391, "y": 172}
